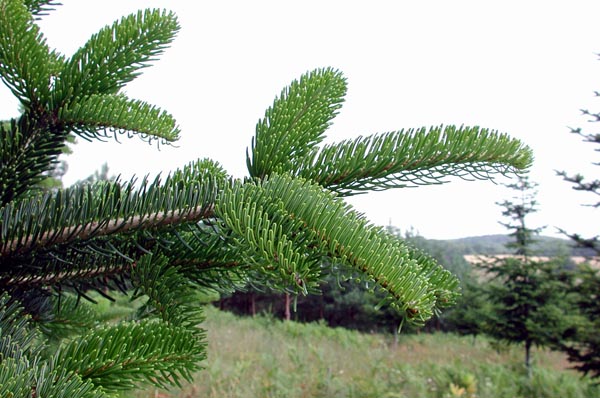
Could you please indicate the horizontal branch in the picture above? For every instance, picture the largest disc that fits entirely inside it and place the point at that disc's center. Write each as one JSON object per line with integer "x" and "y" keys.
{"x": 103, "y": 228}
{"x": 47, "y": 279}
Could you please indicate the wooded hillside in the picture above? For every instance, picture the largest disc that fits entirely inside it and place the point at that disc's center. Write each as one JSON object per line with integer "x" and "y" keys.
{"x": 496, "y": 244}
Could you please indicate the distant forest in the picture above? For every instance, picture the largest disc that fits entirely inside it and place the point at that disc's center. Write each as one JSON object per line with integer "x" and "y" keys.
{"x": 496, "y": 244}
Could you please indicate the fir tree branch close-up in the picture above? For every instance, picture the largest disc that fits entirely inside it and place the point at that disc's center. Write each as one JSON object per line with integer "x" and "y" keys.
{"x": 163, "y": 240}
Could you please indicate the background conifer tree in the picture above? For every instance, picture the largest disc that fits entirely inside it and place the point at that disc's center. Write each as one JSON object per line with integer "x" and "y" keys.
{"x": 583, "y": 343}
{"x": 528, "y": 301}
{"x": 197, "y": 229}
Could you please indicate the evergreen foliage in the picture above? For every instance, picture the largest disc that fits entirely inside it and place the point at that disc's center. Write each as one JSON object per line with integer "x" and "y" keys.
{"x": 517, "y": 210}
{"x": 347, "y": 301}
{"x": 547, "y": 246}
{"x": 529, "y": 303}
{"x": 197, "y": 229}
{"x": 580, "y": 183}
{"x": 583, "y": 345}
{"x": 470, "y": 315}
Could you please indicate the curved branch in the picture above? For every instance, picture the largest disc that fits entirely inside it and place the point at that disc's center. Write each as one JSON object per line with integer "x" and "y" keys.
{"x": 414, "y": 157}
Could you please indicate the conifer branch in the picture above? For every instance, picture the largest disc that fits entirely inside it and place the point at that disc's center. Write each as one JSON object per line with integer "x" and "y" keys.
{"x": 84, "y": 212}
{"x": 296, "y": 122}
{"x": 18, "y": 336}
{"x": 60, "y": 276}
{"x": 113, "y": 56}
{"x": 40, "y": 8}
{"x": 88, "y": 116}
{"x": 120, "y": 356}
{"x": 105, "y": 227}
{"x": 29, "y": 147}
{"x": 26, "y": 62}
{"x": 195, "y": 229}
{"x": 22, "y": 373}
{"x": 170, "y": 294}
{"x": 414, "y": 157}
{"x": 265, "y": 215}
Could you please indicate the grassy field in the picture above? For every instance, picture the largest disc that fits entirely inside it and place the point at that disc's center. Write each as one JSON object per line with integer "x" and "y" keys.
{"x": 263, "y": 357}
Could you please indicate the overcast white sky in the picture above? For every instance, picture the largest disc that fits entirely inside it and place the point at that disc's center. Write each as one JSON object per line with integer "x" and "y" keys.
{"x": 522, "y": 67}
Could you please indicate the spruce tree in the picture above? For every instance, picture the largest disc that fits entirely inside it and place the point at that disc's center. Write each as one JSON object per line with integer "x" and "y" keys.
{"x": 583, "y": 344}
{"x": 163, "y": 240}
{"x": 527, "y": 300}
{"x": 580, "y": 183}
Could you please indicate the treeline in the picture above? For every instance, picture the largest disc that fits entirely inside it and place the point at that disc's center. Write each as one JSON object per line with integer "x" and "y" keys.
{"x": 496, "y": 244}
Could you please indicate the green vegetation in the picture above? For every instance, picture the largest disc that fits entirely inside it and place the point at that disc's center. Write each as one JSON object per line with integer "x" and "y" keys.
{"x": 263, "y": 357}
{"x": 176, "y": 242}
{"x": 583, "y": 343}
{"x": 347, "y": 301}
{"x": 496, "y": 244}
{"x": 529, "y": 304}
{"x": 285, "y": 226}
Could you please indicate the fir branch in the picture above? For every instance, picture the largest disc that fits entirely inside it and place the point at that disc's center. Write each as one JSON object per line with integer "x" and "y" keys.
{"x": 414, "y": 157}
{"x": 63, "y": 235}
{"x": 17, "y": 378}
{"x": 70, "y": 316}
{"x": 273, "y": 240}
{"x": 21, "y": 378}
{"x": 319, "y": 221}
{"x": 113, "y": 57}
{"x": 22, "y": 374}
{"x": 84, "y": 212}
{"x": 169, "y": 238}
{"x": 88, "y": 116}
{"x": 28, "y": 149}
{"x": 296, "y": 122}
{"x": 84, "y": 271}
{"x": 121, "y": 356}
{"x": 40, "y": 8}
{"x": 208, "y": 256}
{"x": 62, "y": 384}
{"x": 169, "y": 292}
{"x": 18, "y": 336}
{"x": 64, "y": 244}
{"x": 26, "y": 62}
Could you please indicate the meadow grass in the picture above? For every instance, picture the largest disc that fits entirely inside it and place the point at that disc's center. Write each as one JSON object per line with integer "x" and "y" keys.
{"x": 264, "y": 357}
